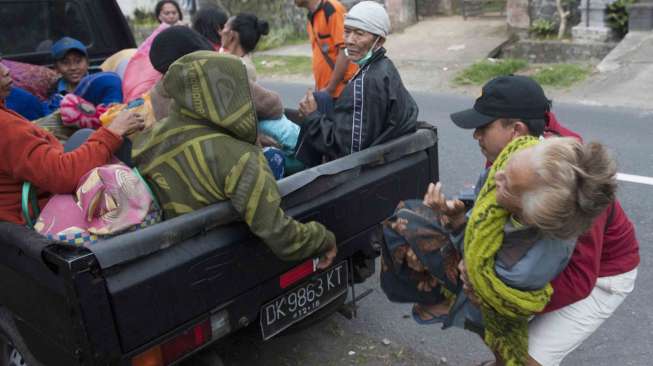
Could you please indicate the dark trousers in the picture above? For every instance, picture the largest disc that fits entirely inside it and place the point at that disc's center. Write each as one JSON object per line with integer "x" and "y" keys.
{"x": 124, "y": 152}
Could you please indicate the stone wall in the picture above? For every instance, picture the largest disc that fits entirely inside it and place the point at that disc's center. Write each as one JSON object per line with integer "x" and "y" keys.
{"x": 428, "y": 8}
{"x": 402, "y": 13}
{"x": 557, "y": 51}
{"x": 546, "y": 9}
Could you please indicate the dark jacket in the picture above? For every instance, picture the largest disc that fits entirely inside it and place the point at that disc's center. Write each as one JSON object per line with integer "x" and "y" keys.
{"x": 375, "y": 107}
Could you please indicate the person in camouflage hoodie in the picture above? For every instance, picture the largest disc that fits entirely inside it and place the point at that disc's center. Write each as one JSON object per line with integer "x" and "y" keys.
{"x": 204, "y": 152}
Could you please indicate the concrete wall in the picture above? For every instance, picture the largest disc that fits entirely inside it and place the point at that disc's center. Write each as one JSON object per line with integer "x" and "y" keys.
{"x": 557, "y": 51}
{"x": 402, "y": 13}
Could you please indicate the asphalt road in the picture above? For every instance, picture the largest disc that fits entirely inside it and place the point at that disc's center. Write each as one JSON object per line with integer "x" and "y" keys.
{"x": 383, "y": 334}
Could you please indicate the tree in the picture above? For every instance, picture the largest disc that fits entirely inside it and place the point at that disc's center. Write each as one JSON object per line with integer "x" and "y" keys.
{"x": 564, "y": 11}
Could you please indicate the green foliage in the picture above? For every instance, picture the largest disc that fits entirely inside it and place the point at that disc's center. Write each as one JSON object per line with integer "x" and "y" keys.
{"x": 616, "y": 15}
{"x": 543, "y": 28}
{"x": 144, "y": 17}
{"x": 483, "y": 71}
{"x": 561, "y": 75}
{"x": 283, "y": 65}
{"x": 280, "y": 37}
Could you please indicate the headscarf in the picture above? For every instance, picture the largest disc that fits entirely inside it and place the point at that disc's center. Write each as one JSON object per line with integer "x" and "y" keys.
{"x": 505, "y": 310}
{"x": 369, "y": 16}
{"x": 174, "y": 43}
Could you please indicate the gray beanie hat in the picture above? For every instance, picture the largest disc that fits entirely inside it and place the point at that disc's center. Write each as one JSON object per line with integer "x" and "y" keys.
{"x": 369, "y": 16}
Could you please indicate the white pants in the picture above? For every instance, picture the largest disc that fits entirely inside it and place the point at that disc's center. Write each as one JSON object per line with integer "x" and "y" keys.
{"x": 552, "y": 336}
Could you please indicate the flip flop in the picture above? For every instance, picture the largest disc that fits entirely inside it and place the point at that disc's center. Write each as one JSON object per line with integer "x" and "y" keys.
{"x": 434, "y": 320}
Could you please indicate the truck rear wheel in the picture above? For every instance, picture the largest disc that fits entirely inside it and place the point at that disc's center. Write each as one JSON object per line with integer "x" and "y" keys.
{"x": 13, "y": 351}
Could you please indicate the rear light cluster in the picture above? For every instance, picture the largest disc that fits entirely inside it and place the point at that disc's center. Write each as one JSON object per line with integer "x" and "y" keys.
{"x": 296, "y": 274}
{"x": 210, "y": 329}
{"x": 182, "y": 344}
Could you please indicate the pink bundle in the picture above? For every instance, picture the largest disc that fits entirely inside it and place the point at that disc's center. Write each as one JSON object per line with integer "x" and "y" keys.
{"x": 140, "y": 76}
{"x": 109, "y": 200}
{"x": 76, "y": 111}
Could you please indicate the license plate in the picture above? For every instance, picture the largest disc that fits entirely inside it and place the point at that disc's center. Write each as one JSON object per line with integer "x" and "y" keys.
{"x": 303, "y": 300}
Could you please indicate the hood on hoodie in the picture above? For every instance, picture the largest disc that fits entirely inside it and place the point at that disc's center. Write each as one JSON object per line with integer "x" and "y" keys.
{"x": 213, "y": 87}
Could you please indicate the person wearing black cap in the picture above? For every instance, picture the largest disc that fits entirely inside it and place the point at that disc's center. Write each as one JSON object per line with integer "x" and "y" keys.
{"x": 584, "y": 295}
{"x": 509, "y": 106}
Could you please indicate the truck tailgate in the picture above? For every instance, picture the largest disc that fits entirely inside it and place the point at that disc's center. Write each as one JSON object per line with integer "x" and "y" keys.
{"x": 172, "y": 273}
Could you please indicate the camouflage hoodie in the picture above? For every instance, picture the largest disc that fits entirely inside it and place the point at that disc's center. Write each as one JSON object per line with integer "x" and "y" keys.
{"x": 204, "y": 153}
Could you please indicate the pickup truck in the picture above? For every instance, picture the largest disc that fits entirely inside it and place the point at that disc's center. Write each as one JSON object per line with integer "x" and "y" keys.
{"x": 157, "y": 295}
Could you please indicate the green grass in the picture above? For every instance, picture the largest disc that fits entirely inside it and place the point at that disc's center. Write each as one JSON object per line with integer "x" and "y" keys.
{"x": 283, "y": 65}
{"x": 553, "y": 75}
{"x": 281, "y": 37}
{"x": 483, "y": 71}
{"x": 561, "y": 75}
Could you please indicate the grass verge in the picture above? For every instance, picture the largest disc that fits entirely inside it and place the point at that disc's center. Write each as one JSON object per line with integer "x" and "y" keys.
{"x": 281, "y": 37}
{"x": 283, "y": 65}
{"x": 480, "y": 72}
{"x": 553, "y": 75}
{"x": 561, "y": 75}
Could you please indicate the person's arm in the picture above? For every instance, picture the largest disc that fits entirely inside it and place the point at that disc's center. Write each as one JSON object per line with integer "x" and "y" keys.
{"x": 35, "y": 158}
{"x": 254, "y": 194}
{"x": 337, "y": 31}
{"x": 267, "y": 103}
{"x": 339, "y": 71}
{"x": 44, "y": 164}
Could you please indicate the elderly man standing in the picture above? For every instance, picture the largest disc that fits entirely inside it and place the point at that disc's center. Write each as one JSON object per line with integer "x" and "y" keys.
{"x": 375, "y": 107}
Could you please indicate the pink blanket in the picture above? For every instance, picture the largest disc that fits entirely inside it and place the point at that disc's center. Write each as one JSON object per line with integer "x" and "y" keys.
{"x": 139, "y": 75}
{"x": 109, "y": 200}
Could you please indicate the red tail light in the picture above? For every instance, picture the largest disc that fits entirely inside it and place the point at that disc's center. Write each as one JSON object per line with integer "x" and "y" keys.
{"x": 296, "y": 274}
{"x": 175, "y": 348}
{"x": 184, "y": 343}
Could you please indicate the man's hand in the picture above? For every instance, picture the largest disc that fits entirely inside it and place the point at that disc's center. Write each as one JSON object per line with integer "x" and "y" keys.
{"x": 467, "y": 285}
{"x": 264, "y": 140}
{"x": 327, "y": 258}
{"x": 127, "y": 122}
{"x": 452, "y": 211}
{"x": 308, "y": 104}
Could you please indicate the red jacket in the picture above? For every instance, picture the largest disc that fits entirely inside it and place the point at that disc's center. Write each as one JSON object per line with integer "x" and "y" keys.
{"x": 29, "y": 153}
{"x": 608, "y": 248}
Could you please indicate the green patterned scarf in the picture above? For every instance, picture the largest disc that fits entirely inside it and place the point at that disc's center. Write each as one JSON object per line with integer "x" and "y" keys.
{"x": 505, "y": 310}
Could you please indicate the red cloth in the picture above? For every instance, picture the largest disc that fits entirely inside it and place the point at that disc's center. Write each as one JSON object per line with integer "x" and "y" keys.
{"x": 608, "y": 248}
{"x": 32, "y": 154}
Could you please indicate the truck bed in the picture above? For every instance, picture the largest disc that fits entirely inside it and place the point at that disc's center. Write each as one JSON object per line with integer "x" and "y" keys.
{"x": 118, "y": 297}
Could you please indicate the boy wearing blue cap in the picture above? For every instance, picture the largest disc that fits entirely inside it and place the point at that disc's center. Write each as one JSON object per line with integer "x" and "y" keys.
{"x": 71, "y": 61}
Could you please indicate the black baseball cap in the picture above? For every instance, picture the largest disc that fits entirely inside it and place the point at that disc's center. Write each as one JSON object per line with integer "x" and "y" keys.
{"x": 512, "y": 96}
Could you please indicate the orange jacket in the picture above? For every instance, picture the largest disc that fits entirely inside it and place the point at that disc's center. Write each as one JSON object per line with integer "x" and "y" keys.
{"x": 326, "y": 30}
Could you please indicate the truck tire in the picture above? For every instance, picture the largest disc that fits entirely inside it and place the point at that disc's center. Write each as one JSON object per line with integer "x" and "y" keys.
{"x": 13, "y": 351}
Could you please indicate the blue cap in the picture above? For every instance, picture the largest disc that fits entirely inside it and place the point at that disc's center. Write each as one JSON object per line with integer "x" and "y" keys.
{"x": 62, "y": 46}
